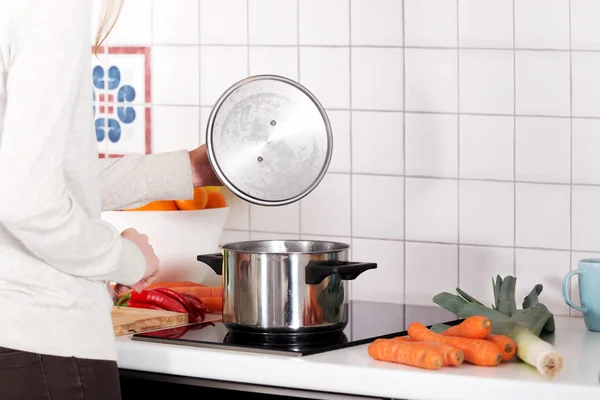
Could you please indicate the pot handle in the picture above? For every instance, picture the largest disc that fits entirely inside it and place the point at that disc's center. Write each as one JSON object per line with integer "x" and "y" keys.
{"x": 215, "y": 261}
{"x": 316, "y": 271}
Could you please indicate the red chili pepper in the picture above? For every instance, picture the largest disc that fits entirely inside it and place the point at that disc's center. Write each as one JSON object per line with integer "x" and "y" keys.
{"x": 177, "y": 297}
{"x": 203, "y": 325}
{"x": 177, "y": 332}
{"x": 171, "y": 333}
{"x": 133, "y": 304}
{"x": 199, "y": 313}
{"x": 192, "y": 296}
{"x": 197, "y": 299}
{"x": 155, "y": 298}
{"x": 200, "y": 309}
{"x": 180, "y": 334}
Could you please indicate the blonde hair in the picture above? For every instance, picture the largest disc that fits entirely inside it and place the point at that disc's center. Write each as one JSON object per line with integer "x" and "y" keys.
{"x": 108, "y": 19}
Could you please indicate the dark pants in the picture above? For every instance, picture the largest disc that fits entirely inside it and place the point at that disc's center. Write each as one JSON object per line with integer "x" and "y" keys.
{"x": 29, "y": 376}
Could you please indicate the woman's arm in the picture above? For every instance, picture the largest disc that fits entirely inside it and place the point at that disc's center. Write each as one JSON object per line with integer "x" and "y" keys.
{"x": 135, "y": 180}
{"x": 50, "y": 51}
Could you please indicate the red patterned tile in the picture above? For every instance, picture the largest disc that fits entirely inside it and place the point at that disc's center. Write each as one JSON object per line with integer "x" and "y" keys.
{"x": 122, "y": 93}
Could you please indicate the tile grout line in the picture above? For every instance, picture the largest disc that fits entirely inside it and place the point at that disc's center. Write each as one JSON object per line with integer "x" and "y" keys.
{"x": 381, "y": 47}
{"x": 402, "y": 111}
{"x": 102, "y": 58}
{"x": 450, "y": 178}
{"x": 403, "y": 151}
{"x": 394, "y": 111}
{"x": 105, "y": 92}
{"x": 350, "y": 133}
{"x": 151, "y": 105}
{"x": 152, "y": 98}
{"x": 434, "y": 242}
{"x": 514, "y": 141}
{"x": 199, "y": 2}
{"x": 570, "y": 151}
{"x": 298, "y": 75}
{"x": 248, "y": 35}
{"x": 248, "y": 73}
{"x": 458, "y": 139}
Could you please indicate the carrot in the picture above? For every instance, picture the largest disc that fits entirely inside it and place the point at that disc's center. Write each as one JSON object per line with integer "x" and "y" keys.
{"x": 171, "y": 285}
{"x": 474, "y": 327}
{"x": 214, "y": 304}
{"x": 450, "y": 354}
{"x": 507, "y": 346}
{"x": 404, "y": 352}
{"x": 476, "y": 351}
{"x": 201, "y": 291}
{"x": 317, "y": 310}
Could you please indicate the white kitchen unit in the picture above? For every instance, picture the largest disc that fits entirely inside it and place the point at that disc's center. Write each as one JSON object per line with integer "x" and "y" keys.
{"x": 350, "y": 373}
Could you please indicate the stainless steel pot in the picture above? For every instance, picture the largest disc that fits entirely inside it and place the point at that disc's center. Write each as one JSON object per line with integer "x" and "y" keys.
{"x": 285, "y": 286}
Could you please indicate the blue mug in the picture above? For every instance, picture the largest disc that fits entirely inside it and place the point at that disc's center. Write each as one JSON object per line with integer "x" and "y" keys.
{"x": 589, "y": 291}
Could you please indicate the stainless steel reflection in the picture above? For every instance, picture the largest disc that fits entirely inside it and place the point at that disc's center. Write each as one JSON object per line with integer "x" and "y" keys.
{"x": 309, "y": 247}
{"x": 285, "y": 286}
{"x": 268, "y": 291}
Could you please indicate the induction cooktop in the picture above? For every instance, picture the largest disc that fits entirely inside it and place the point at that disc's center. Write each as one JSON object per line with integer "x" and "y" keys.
{"x": 367, "y": 321}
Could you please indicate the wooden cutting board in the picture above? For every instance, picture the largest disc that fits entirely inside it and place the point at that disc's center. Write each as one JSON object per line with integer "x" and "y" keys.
{"x": 127, "y": 321}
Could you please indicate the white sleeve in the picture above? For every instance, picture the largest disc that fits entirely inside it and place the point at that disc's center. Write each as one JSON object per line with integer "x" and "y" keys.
{"x": 135, "y": 180}
{"x": 48, "y": 48}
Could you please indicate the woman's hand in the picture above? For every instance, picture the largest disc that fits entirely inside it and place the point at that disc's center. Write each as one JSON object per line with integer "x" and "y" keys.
{"x": 202, "y": 172}
{"x": 141, "y": 241}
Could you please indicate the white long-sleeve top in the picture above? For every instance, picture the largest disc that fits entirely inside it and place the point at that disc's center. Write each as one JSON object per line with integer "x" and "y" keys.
{"x": 55, "y": 252}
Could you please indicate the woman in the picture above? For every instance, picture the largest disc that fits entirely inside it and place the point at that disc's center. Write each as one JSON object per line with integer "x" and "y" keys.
{"x": 56, "y": 255}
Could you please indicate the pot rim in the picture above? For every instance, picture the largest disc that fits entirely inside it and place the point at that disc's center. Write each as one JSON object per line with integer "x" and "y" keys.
{"x": 328, "y": 246}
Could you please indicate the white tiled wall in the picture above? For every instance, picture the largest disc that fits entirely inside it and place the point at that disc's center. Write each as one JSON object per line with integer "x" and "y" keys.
{"x": 466, "y": 131}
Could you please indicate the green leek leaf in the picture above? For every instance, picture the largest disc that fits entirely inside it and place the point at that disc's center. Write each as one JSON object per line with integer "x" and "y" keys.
{"x": 534, "y": 318}
{"x": 506, "y": 303}
{"x": 533, "y": 297}
{"x": 439, "y": 328}
{"x": 471, "y": 309}
{"x": 508, "y": 328}
{"x": 449, "y": 301}
{"x": 467, "y": 296}
{"x": 550, "y": 327}
{"x": 497, "y": 286}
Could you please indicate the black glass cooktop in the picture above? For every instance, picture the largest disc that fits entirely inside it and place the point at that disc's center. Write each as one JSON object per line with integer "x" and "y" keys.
{"x": 367, "y": 321}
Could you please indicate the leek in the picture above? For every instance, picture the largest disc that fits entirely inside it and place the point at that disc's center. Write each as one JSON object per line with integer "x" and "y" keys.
{"x": 524, "y": 326}
{"x": 536, "y": 352}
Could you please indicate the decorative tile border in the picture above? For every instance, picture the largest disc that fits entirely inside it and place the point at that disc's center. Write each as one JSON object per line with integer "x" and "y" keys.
{"x": 122, "y": 101}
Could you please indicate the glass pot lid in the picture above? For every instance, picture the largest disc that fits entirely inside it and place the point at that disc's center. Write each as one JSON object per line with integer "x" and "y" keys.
{"x": 269, "y": 140}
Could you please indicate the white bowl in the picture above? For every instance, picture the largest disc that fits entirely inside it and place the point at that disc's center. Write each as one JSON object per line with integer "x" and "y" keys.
{"x": 178, "y": 237}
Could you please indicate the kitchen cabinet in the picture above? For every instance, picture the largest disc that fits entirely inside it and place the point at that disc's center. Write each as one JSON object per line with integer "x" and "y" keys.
{"x": 136, "y": 385}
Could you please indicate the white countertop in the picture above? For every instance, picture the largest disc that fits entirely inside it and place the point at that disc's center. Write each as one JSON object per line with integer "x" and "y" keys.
{"x": 352, "y": 371}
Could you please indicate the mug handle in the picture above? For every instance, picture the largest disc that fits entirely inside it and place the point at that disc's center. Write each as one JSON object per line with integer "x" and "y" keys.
{"x": 565, "y": 291}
